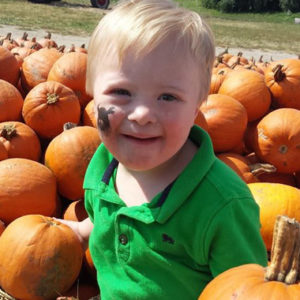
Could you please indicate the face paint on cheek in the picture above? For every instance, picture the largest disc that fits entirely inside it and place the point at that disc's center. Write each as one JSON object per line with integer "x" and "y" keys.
{"x": 102, "y": 120}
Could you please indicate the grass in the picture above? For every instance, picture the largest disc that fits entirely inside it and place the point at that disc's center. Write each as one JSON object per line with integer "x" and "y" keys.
{"x": 268, "y": 31}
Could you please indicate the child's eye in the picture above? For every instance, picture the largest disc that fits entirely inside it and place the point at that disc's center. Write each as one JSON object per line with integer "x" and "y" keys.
{"x": 122, "y": 92}
{"x": 167, "y": 97}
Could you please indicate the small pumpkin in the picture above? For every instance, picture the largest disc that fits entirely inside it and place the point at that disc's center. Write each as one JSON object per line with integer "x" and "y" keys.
{"x": 277, "y": 139}
{"x": 39, "y": 258}
{"x": 11, "y": 102}
{"x": 48, "y": 106}
{"x": 9, "y": 67}
{"x": 223, "y": 113}
{"x": 283, "y": 79}
{"x": 88, "y": 115}
{"x": 27, "y": 187}
{"x": 75, "y": 211}
{"x": 68, "y": 155}
{"x": 250, "y": 89}
{"x": 20, "y": 140}
{"x": 70, "y": 70}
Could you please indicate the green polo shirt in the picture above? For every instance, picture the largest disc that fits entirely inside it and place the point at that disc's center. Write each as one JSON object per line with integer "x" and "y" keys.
{"x": 203, "y": 223}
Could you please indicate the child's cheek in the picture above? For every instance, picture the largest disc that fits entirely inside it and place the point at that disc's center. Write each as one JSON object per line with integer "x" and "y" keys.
{"x": 107, "y": 117}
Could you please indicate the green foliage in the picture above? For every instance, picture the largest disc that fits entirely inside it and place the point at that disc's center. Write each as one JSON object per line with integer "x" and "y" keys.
{"x": 245, "y": 5}
{"x": 290, "y": 5}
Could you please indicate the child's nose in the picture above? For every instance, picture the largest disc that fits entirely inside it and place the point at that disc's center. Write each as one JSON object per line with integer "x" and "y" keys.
{"x": 142, "y": 114}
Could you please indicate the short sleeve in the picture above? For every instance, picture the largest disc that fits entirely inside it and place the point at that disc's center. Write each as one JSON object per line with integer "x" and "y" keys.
{"x": 88, "y": 204}
{"x": 233, "y": 237}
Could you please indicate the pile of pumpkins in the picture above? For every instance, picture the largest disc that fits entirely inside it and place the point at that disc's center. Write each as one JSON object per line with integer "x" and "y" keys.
{"x": 48, "y": 135}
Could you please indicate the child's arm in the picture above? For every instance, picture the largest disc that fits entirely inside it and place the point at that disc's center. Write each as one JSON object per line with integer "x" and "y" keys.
{"x": 81, "y": 229}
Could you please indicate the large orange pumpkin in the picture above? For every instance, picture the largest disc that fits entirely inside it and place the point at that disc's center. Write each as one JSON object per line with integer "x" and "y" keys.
{"x": 226, "y": 119}
{"x": 70, "y": 70}
{"x": 278, "y": 281}
{"x": 36, "y": 67}
{"x": 9, "y": 67}
{"x": 68, "y": 156}
{"x": 250, "y": 89}
{"x": 20, "y": 140}
{"x": 277, "y": 139}
{"x": 274, "y": 199}
{"x": 48, "y": 106}
{"x": 283, "y": 79}
{"x": 40, "y": 258}
{"x": 11, "y": 102}
{"x": 27, "y": 187}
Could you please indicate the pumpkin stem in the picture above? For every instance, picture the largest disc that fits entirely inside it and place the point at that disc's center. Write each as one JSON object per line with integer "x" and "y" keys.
{"x": 279, "y": 75}
{"x": 285, "y": 251}
{"x": 8, "y": 131}
{"x": 69, "y": 125}
{"x": 52, "y": 98}
{"x": 259, "y": 168}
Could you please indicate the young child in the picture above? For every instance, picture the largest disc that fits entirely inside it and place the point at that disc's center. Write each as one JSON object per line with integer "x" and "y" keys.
{"x": 165, "y": 215}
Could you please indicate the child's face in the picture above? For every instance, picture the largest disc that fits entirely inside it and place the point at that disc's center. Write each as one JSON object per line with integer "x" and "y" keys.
{"x": 146, "y": 107}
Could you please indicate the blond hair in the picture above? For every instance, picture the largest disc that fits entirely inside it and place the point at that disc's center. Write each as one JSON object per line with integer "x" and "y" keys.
{"x": 142, "y": 25}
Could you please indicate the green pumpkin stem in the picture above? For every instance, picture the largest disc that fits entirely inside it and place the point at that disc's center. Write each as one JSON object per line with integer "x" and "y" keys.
{"x": 285, "y": 251}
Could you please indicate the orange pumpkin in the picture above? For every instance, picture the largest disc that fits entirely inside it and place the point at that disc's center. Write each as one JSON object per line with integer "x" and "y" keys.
{"x": 200, "y": 120}
{"x": 277, "y": 177}
{"x": 9, "y": 67}
{"x": 242, "y": 166}
{"x": 75, "y": 211}
{"x": 88, "y": 115}
{"x": 274, "y": 199}
{"x": 277, "y": 139}
{"x": 39, "y": 258}
{"x": 36, "y": 67}
{"x": 48, "y": 106}
{"x": 47, "y": 41}
{"x": 250, "y": 89}
{"x": 27, "y": 187}
{"x": 70, "y": 70}
{"x": 68, "y": 156}
{"x": 3, "y": 152}
{"x": 2, "y": 227}
{"x": 11, "y": 102}
{"x": 20, "y": 140}
{"x": 217, "y": 79}
{"x": 223, "y": 114}
{"x": 283, "y": 79}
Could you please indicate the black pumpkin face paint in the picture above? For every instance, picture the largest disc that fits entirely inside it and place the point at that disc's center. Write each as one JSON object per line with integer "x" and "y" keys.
{"x": 103, "y": 121}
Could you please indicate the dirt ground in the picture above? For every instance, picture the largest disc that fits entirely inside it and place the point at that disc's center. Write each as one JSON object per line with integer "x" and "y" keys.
{"x": 68, "y": 40}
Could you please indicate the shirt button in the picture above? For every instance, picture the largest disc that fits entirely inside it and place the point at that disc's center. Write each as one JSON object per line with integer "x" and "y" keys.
{"x": 123, "y": 239}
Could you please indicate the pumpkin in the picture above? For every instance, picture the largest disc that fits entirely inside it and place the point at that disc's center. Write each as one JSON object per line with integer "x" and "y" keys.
{"x": 11, "y": 102}
{"x": 20, "y": 140}
{"x": 88, "y": 265}
{"x": 39, "y": 258}
{"x": 274, "y": 199}
{"x": 75, "y": 211}
{"x": 70, "y": 70}
{"x": 3, "y": 152}
{"x": 88, "y": 115}
{"x": 68, "y": 156}
{"x": 9, "y": 67}
{"x": 297, "y": 177}
{"x": 27, "y": 187}
{"x": 283, "y": 79}
{"x": 222, "y": 114}
{"x": 47, "y": 41}
{"x": 242, "y": 166}
{"x": 250, "y": 89}
{"x": 277, "y": 177}
{"x": 277, "y": 139}
{"x": 217, "y": 78}
{"x": 48, "y": 106}
{"x": 278, "y": 281}
{"x": 36, "y": 67}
